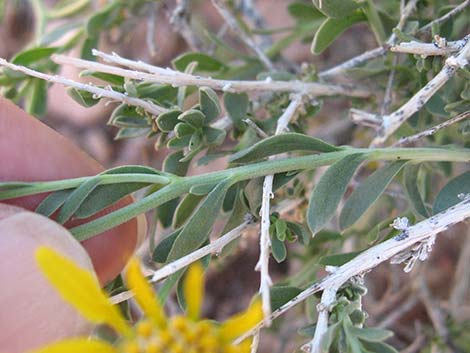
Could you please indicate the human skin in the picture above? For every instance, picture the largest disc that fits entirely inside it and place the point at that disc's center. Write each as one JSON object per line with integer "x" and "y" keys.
{"x": 31, "y": 312}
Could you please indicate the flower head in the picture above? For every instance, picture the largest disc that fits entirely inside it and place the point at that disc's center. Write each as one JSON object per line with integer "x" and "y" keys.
{"x": 155, "y": 332}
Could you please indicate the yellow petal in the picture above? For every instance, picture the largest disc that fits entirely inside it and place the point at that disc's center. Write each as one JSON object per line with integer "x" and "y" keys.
{"x": 194, "y": 290}
{"x": 144, "y": 294}
{"x": 240, "y": 323}
{"x": 80, "y": 288}
{"x": 77, "y": 345}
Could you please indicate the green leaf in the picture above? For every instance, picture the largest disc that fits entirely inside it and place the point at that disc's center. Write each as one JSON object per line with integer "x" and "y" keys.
{"x": 168, "y": 120}
{"x": 329, "y": 337}
{"x": 52, "y": 202}
{"x": 36, "y": 100}
{"x": 410, "y": 181}
{"x": 281, "y": 229}
{"x": 332, "y": 28}
{"x": 213, "y": 136}
{"x": 131, "y": 132}
{"x": 236, "y": 105}
{"x": 194, "y": 117}
{"x": 379, "y": 347}
{"x": 172, "y": 164}
{"x": 185, "y": 208}
{"x": 338, "y": 259}
{"x": 303, "y": 12}
{"x": 371, "y": 334}
{"x": 352, "y": 342}
{"x": 330, "y": 189}
{"x": 89, "y": 44}
{"x": 84, "y": 98}
{"x": 183, "y": 129}
{"x": 204, "y": 62}
{"x": 282, "y": 294}
{"x": 367, "y": 193}
{"x": 75, "y": 199}
{"x": 30, "y": 56}
{"x": 67, "y": 8}
{"x": 448, "y": 196}
{"x": 278, "y": 249}
{"x": 287, "y": 142}
{"x": 113, "y": 79}
{"x": 106, "y": 195}
{"x": 300, "y": 231}
{"x": 197, "y": 229}
{"x": 103, "y": 19}
{"x": 209, "y": 102}
{"x": 160, "y": 253}
{"x": 336, "y": 8}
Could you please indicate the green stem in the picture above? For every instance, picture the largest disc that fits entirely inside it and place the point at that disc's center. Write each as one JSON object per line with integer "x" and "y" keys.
{"x": 183, "y": 185}
{"x": 48, "y": 186}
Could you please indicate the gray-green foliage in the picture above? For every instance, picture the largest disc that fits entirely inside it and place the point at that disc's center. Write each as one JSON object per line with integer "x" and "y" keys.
{"x": 347, "y": 200}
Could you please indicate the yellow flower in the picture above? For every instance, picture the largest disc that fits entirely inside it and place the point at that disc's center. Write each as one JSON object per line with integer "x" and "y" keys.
{"x": 155, "y": 332}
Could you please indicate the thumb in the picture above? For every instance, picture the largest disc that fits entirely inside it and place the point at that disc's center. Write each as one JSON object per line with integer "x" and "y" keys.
{"x": 32, "y": 313}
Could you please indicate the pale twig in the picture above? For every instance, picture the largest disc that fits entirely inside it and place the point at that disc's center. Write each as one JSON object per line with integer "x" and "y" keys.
{"x": 96, "y": 91}
{"x": 327, "y": 300}
{"x": 177, "y": 79}
{"x": 255, "y": 127}
{"x": 255, "y": 342}
{"x": 438, "y": 48}
{"x": 249, "y": 42}
{"x": 445, "y": 18}
{"x": 265, "y": 243}
{"x": 340, "y": 69}
{"x": 390, "y": 123}
{"x": 369, "y": 259}
{"x": 405, "y": 12}
{"x": 428, "y": 132}
{"x": 214, "y": 247}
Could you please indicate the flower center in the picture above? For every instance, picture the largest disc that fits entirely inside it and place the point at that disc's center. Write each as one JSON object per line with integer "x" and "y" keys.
{"x": 181, "y": 335}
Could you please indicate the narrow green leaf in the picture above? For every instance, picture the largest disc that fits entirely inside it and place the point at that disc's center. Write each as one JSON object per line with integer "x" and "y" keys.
{"x": 379, "y": 347}
{"x": 27, "y": 57}
{"x": 197, "y": 229}
{"x": 287, "y": 142}
{"x": 367, "y": 193}
{"x": 89, "y": 44}
{"x": 75, "y": 199}
{"x": 185, "y": 209}
{"x": 131, "y": 132}
{"x": 448, "y": 196}
{"x": 84, "y": 98}
{"x": 113, "y": 79}
{"x": 209, "y": 102}
{"x": 52, "y": 202}
{"x": 36, "y": 100}
{"x": 304, "y": 12}
{"x": 410, "y": 181}
{"x": 161, "y": 251}
{"x": 282, "y": 294}
{"x": 336, "y": 8}
{"x": 68, "y": 8}
{"x": 204, "y": 62}
{"x": 330, "y": 189}
{"x": 371, "y": 334}
{"x": 351, "y": 340}
{"x": 332, "y": 28}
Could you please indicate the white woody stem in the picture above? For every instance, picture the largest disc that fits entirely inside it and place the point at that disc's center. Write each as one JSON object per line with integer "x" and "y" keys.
{"x": 374, "y": 256}
{"x": 265, "y": 242}
{"x": 177, "y": 79}
{"x": 428, "y": 132}
{"x": 390, "y": 123}
{"x": 430, "y": 49}
{"x": 98, "y": 92}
